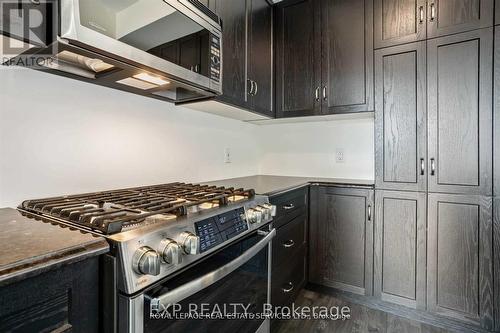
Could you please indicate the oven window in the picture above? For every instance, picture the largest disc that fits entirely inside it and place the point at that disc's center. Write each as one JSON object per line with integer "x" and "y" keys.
{"x": 246, "y": 286}
{"x": 153, "y": 26}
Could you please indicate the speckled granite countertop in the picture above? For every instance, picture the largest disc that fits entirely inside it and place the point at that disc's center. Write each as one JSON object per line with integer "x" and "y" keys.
{"x": 29, "y": 247}
{"x": 272, "y": 185}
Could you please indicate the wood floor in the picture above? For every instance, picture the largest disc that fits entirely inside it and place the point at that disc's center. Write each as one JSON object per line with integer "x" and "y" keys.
{"x": 363, "y": 319}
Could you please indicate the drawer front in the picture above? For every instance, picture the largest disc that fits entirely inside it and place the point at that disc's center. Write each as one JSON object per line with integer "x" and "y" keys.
{"x": 288, "y": 240}
{"x": 287, "y": 280}
{"x": 289, "y": 205}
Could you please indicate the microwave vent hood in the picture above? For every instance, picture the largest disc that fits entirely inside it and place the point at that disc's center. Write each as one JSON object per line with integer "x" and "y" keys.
{"x": 164, "y": 49}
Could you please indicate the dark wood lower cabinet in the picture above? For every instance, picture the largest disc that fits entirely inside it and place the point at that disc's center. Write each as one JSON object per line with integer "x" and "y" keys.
{"x": 496, "y": 262}
{"x": 460, "y": 258}
{"x": 400, "y": 247}
{"x": 62, "y": 300}
{"x": 289, "y": 249}
{"x": 341, "y": 238}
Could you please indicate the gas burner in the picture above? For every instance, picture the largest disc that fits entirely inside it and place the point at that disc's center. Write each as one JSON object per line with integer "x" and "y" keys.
{"x": 110, "y": 212}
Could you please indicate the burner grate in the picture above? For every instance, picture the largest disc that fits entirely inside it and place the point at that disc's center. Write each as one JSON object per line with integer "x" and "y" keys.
{"x": 108, "y": 212}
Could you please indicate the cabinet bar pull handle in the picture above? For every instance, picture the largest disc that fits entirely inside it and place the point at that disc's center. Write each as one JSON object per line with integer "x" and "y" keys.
{"x": 433, "y": 12}
{"x": 421, "y": 14}
{"x": 324, "y": 93}
{"x": 316, "y": 94}
{"x": 369, "y": 212}
{"x": 289, "y": 289}
{"x": 288, "y": 243}
{"x": 433, "y": 167}
{"x": 422, "y": 167}
{"x": 256, "y": 88}
{"x": 250, "y": 82}
{"x": 289, "y": 206}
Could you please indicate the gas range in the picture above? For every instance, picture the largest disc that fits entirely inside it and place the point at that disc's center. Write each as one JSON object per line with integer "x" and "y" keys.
{"x": 157, "y": 231}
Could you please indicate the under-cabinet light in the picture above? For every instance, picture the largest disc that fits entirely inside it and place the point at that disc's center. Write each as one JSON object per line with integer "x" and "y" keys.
{"x": 151, "y": 79}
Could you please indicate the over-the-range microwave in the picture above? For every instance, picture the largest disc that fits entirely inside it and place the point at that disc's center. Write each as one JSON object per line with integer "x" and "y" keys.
{"x": 167, "y": 49}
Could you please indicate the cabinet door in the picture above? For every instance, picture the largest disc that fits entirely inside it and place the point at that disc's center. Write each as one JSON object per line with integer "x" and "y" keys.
{"x": 234, "y": 40}
{"x": 459, "y": 70}
{"x": 496, "y": 115}
{"x": 497, "y": 12}
{"x": 460, "y": 272}
{"x": 347, "y": 56}
{"x": 260, "y": 64}
{"x": 400, "y": 249}
{"x": 341, "y": 238}
{"x": 298, "y": 63}
{"x": 496, "y": 263}
{"x": 400, "y": 117}
{"x": 399, "y": 21}
{"x": 447, "y": 17}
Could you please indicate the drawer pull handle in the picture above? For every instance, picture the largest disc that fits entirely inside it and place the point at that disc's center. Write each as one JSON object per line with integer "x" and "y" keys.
{"x": 289, "y": 206}
{"x": 289, "y": 288}
{"x": 289, "y": 243}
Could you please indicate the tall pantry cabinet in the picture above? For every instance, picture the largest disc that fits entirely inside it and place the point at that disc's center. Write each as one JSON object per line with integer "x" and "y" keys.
{"x": 434, "y": 158}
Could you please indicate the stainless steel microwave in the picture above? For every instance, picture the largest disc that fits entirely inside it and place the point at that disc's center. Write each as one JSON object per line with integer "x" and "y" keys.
{"x": 167, "y": 49}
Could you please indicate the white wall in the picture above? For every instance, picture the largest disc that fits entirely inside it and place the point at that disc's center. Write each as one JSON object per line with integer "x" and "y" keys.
{"x": 61, "y": 136}
{"x": 308, "y": 149}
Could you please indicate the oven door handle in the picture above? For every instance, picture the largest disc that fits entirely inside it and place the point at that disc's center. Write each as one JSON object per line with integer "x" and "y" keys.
{"x": 180, "y": 293}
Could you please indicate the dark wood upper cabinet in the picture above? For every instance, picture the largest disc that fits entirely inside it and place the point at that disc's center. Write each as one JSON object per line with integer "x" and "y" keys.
{"x": 401, "y": 117}
{"x": 459, "y": 252}
{"x": 447, "y": 17}
{"x": 347, "y": 56}
{"x": 324, "y": 57}
{"x": 460, "y": 120}
{"x": 341, "y": 238}
{"x": 247, "y": 54}
{"x": 399, "y": 21}
{"x": 405, "y": 21}
{"x": 298, "y": 58}
{"x": 260, "y": 56}
{"x": 234, "y": 33}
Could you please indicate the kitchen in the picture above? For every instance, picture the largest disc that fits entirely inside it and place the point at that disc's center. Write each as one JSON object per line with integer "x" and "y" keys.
{"x": 346, "y": 150}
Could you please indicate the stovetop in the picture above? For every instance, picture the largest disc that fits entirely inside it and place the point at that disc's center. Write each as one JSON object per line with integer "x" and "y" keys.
{"x": 111, "y": 212}
{"x": 156, "y": 231}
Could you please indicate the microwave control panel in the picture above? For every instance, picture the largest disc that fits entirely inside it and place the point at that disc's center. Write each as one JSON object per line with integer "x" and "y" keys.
{"x": 215, "y": 58}
{"x": 218, "y": 229}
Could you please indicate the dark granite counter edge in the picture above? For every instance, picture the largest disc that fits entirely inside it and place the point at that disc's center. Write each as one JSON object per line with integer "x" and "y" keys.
{"x": 322, "y": 183}
{"x": 42, "y": 264}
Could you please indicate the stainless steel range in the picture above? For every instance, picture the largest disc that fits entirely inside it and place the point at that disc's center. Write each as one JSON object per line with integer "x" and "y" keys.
{"x": 175, "y": 247}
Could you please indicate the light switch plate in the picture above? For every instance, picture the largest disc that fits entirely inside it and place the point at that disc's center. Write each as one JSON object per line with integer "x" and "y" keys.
{"x": 227, "y": 155}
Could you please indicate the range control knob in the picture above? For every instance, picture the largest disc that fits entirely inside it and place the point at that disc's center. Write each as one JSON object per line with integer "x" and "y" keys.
{"x": 170, "y": 252}
{"x": 190, "y": 243}
{"x": 272, "y": 209}
{"x": 265, "y": 211}
{"x": 146, "y": 261}
{"x": 254, "y": 216}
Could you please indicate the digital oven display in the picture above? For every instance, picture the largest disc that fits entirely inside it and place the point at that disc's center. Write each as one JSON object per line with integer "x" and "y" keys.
{"x": 215, "y": 230}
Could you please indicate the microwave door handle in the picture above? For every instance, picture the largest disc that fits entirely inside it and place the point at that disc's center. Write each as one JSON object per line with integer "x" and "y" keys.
{"x": 180, "y": 293}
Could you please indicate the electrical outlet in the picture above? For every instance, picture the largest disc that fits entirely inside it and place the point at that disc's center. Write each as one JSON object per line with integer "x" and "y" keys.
{"x": 227, "y": 155}
{"x": 340, "y": 156}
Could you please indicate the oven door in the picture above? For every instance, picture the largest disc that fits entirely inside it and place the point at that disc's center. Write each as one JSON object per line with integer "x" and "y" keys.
{"x": 226, "y": 292}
